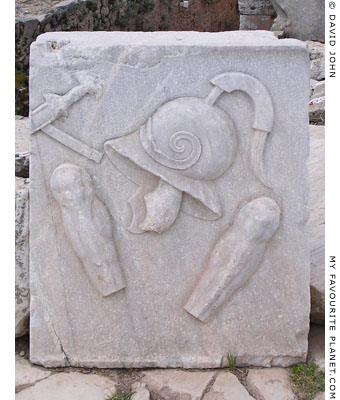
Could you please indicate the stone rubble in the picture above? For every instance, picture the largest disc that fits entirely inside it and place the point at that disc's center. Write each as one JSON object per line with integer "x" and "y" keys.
{"x": 21, "y": 256}
{"x": 22, "y": 162}
{"x": 317, "y": 70}
{"x": 316, "y": 52}
{"x": 22, "y": 134}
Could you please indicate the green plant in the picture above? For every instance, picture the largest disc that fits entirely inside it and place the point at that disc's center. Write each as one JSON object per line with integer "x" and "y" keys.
{"x": 307, "y": 380}
{"x": 231, "y": 361}
{"x": 120, "y": 396}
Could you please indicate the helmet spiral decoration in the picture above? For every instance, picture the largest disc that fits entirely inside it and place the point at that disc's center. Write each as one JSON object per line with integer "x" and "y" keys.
{"x": 185, "y": 147}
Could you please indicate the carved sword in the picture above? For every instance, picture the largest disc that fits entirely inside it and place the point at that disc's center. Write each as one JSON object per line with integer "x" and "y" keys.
{"x": 56, "y": 106}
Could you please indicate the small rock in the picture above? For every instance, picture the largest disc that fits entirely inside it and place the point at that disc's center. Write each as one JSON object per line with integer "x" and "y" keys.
{"x": 21, "y": 257}
{"x": 22, "y": 353}
{"x": 317, "y": 69}
{"x": 140, "y": 392}
{"x": 22, "y": 134}
{"x": 270, "y": 384}
{"x": 316, "y": 223}
{"x": 317, "y": 110}
{"x": 175, "y": 384}
{"x": 22, "y": 163}
{"x": 26, "y": 374}
{"x": 319, "y": 89}
{"x": 316, "y": 50}
{"x": 316, "y": 346}
{"x": 71, "y": 386}
{"x": 320, "y": 396}
{"x": 228, "y": 387}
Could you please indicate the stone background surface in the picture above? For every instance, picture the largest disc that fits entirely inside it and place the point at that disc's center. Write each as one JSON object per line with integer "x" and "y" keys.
{"x": 133, "y": 326}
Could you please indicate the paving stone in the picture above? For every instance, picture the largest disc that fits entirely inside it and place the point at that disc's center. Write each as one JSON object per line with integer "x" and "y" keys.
{"x": 316, "y": 346}
{"x": 177, "y": 385}
{"x": 140, "y": 392}
{"x": 27, "y": 374}
{"x": 70, "y": 386}
{"x": 227, "y": 387}
{"x": 270, "y": 384}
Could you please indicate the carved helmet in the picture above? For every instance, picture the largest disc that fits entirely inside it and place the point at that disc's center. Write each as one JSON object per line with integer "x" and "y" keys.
{"x": 188, "y": 143}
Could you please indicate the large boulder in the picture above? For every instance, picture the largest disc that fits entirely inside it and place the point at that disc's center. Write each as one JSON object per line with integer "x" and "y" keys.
{"x": 21, "y": 257}
{"x": 316, "y": 223}
{"x": 303, "y": 19}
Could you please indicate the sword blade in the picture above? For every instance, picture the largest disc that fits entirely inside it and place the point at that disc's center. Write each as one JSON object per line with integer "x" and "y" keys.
{"x": 72, "y": 143}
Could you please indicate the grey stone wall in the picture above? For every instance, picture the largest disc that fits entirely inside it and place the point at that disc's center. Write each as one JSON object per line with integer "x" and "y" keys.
{"x": 125, "y": 15}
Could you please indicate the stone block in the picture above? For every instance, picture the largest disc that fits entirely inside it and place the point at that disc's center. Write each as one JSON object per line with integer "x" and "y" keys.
{"x": 303, "y": 19}
{"x": 169, "y": 199}
{"x": 257, "y": 7}
{"x": 255, "y": 22}
{"x": 316, "y": 223}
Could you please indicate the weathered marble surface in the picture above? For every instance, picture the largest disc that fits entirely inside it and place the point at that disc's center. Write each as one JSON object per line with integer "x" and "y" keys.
{"x": 303, "y": 19}
{"x": 238, "y": 130}
{"x": 316, "y": 223}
